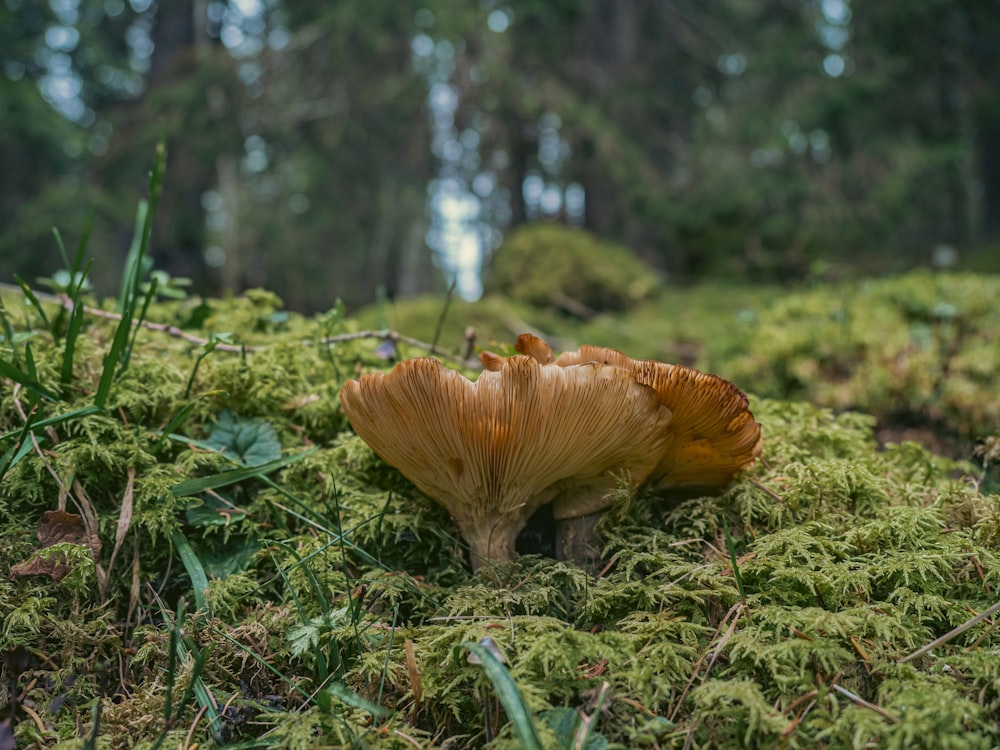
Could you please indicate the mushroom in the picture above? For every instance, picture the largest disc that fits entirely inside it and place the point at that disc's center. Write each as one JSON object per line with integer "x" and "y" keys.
{"x": 493, "y": 451}
{"x": 711, "y": 437}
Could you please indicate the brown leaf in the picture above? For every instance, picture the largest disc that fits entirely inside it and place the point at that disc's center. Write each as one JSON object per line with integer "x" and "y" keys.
{"x": 57, "y": 527}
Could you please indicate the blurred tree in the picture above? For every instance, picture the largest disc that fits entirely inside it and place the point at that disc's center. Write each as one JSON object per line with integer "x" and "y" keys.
{"x": 41, "y": 142}
{"x": 761, "y": 138}
{"x": 342, "y": 119}
{"x": 329, "y": 150}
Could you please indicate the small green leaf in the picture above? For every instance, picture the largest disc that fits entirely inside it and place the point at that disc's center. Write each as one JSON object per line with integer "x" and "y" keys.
{"x": 253, "y": 440}
{"x": 221, "y": 559}
{"x": 214, "y": 511}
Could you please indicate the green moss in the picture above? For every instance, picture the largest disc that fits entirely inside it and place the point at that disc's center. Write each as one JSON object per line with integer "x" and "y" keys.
{"x": 918, "y": 350}
{"x": 333, "y": 583}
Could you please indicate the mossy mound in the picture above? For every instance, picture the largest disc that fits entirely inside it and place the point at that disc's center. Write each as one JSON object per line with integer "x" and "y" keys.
{"x": 235, "y": 567}
{"x": 918, "y": 350}
{"x": 554, "y": 266}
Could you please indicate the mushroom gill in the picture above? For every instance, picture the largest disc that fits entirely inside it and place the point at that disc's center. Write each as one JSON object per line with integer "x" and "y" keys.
{"x": 493, "y": 451}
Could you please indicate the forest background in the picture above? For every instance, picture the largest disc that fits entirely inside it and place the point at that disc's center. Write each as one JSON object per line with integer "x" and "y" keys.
{"x": 355, "y": 148}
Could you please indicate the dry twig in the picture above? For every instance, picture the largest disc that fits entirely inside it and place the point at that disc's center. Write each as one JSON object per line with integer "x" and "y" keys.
{"x": 952, "y": 633}
{"x": 384, "y": 334}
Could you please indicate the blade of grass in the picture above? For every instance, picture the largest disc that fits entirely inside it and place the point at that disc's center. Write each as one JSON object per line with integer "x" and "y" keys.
{"x": 110, "y": 360}
{"x": 330, "y": 663}
{"x": 131, "y": 279}
{"x": 735, "y": 563}
{"x": 81, "y": 249}
{"x": 388, "y": 653}
{"x": 313, "y": 581}
{"x": 11, "y": 372}
{"x": 29, "y": 363}
{"x": 196, "y": 686}
{"x": 150, "y": 294}
{"x": 194, "y": 568}
{"x": 587, "y": 723}
{"x": 354, "y": 603}
{"x": 73, "y": 330}
{"x": 127, "y": 287}
{"x": 182, "y": 413}
{"x": 345, "y": 695}
{"x": 8, "y": 332}
{"x": 180, "y": 648}
{"x": 48, "y": 422}
{"x": 171, "y": 673}
{"x": 18, "y": 451}
{"x": 126, "y": 305}
{"x": 73, "y": 266}
{"x": 95, "y": 723}
{"x": 62, "y": 247}
{"x": 225, "y": 478}
{"x": 26, "y": 290}
{"x": 293, "y": 685}
{"x": 140, "y": 242}
{"x": 206, "y": 350}
{"x": 509, "y": 695}
{"x": 444, "y": 313}
{"x": 22, "y": 447}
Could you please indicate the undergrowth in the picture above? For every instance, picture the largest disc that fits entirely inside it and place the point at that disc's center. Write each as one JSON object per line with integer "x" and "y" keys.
{"x": 197, "y": 549}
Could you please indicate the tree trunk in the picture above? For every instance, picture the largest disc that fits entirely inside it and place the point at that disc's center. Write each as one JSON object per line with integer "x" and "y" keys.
{"x": 180, "y": 222}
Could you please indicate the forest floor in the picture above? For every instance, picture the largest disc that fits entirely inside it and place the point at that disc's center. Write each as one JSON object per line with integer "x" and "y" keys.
{"x": 196, "y": 549}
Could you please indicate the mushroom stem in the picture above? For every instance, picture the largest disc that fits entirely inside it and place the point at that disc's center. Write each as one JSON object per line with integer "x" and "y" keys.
{"x": 487, "y": 544}
{"x": 577, "y": 540}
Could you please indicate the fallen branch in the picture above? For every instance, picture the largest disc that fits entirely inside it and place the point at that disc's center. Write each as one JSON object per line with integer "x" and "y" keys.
{"x": 384, "y": 334}
{"x": 952, "y": 633}
{"x": 865, "y": 704}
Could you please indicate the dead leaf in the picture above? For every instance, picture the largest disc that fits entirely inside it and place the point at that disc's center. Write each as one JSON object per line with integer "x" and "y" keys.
{"x": 57, "y": 527}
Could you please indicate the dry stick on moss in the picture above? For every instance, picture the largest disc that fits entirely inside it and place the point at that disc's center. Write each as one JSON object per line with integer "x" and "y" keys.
{"x": 385, "y": 333}
{"x": 238, "y": 348}
{"x": 952, "y": 633}
{"x": 771, "y": 493}
{"x": 733, "y": 612}
{"x": 865, "y": 704}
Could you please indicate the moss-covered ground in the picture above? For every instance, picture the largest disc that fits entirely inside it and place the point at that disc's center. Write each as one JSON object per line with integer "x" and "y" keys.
{"x": 196, "y": 549}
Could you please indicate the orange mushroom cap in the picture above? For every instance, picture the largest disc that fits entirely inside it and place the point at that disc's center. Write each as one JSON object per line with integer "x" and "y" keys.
{"x": 493, "y": 451}
{"x": 712, "y": 436}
